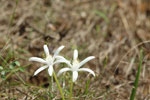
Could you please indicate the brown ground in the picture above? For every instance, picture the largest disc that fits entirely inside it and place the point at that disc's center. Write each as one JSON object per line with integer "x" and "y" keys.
{"x": 113, "y": 31}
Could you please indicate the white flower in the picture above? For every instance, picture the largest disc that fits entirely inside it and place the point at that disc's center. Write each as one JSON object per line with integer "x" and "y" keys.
{"x": 49, "y": 61}
{"x": 75, "y": 67}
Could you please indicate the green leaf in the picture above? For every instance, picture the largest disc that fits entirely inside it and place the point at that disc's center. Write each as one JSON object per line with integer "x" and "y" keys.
{"x": 11, "y": 66}
{"x": 17, "y": 63}
{"x": 3, "y": 77}
{"x": 137, "y": 77}
{"x": 3, "y": 72}
{"x": 86, "y": 87}
{"x": 102, "y": 15}
{"x": 1, "y": 68}
{"x": 105, "y": 61}
{"x": 14, "y": 64}
{"x": 21, "y": 69}
{"x": 7, "y": 70}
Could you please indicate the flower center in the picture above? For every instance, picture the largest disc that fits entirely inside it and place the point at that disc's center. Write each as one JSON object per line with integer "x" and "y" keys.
{"x": 49, "y": 59}
{"x": 75, "y": 66}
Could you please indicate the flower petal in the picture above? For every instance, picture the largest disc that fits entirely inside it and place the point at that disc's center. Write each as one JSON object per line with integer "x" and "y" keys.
{"x": 63, "y": 70}
{"x": 87, "y": 70}
{"x": 39, "y": 70}
{"x": 46, "y": 50}
{"x": 59, "y": 57}
{"x": 86, "y": 60}
{"x": 75, "y": 76}
{"x": 63, "y": 61}
{"x": 50, "y": 70}
{"x": 37, "y": 59}
{"x": 58, "y": 50}
{"x": 75, "y": 55}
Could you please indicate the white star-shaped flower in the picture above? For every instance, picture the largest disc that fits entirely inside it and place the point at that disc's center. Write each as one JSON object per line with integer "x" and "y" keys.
{"x": 75, "y": 67}
{"x": 49, "y": 61}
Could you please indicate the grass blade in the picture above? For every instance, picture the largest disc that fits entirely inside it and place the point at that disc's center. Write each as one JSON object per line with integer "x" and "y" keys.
{"x": 137, "y": 77}
{"x": 87, "y": 87}
{"x": 102, "y": 15}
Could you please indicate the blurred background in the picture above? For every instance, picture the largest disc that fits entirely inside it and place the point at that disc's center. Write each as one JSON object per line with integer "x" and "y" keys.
{"x": 113, "y": 31}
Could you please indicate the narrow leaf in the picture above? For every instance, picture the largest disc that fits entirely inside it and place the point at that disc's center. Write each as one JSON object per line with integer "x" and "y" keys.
{"x": 137, "y": 77}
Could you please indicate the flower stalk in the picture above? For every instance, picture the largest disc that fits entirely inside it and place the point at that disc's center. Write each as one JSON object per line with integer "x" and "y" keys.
{"x": 58, "y": 85}
{"x": 71, "y": 87}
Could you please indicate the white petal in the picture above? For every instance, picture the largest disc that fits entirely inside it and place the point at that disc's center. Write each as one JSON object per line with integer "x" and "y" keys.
{"x": 75, "y": 55}
{"x": 59, "y": 57}
{"x": 39, "y": 70}
{"x": 86, "y": 60}
{"x": 63, "y": 61}
{"x": 75, "y": 76}
{"x": 37, "y": 59}
{"x": 46, "y": 50}
{"x": 50, "y": 70}
{"x": 58, "y": 50}
{"x": 63, "y": 70}
{"x": 87, "y": 70}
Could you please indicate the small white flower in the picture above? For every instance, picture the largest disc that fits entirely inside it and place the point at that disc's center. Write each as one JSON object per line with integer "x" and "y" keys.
{"x": 49, "y": 61}
{"x": 75, "y": 67}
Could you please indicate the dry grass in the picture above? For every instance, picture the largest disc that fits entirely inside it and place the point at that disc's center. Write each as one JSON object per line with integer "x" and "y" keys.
{"x": 112, "y": 31}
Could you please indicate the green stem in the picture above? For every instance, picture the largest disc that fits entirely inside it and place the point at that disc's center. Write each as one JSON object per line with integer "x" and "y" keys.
{"x": 20, "y": 79}
{"x": 71, "y": 86}
{"x": 52, "y": 84}
{"x": 60, "y": 90}
{"x": 13, "y": 14}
